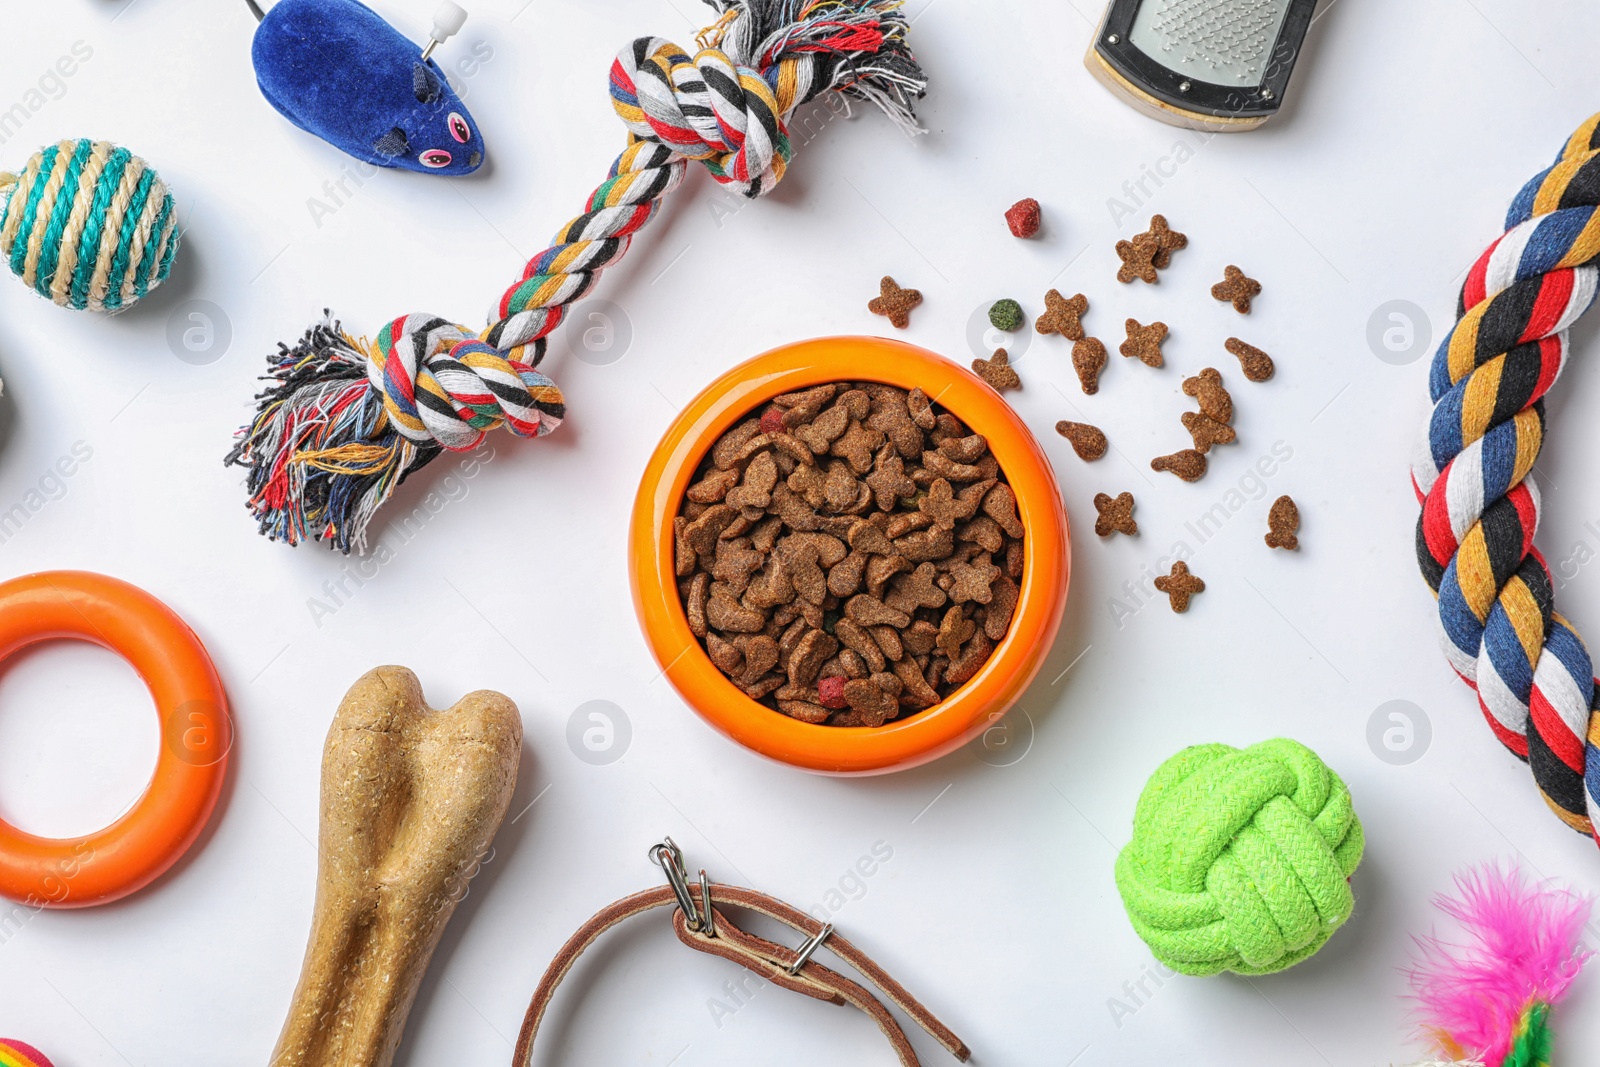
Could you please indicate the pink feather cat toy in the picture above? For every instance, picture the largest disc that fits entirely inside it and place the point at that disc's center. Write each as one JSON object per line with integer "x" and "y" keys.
{"x": 1488, "y": 1002}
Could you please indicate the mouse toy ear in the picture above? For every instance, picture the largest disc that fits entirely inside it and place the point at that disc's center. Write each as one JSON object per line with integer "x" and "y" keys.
{"x": 393, "y": 144}
{"x": 425, "y": 83}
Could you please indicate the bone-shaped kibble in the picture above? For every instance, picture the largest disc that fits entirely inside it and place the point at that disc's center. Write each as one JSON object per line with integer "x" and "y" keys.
{"x": 411, "y": 799}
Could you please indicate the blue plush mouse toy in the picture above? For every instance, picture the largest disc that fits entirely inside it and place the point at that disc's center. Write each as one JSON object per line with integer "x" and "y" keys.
{"x": 335, "y": 69}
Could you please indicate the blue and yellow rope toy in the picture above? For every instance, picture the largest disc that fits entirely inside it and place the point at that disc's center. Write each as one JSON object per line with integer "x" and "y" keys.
{"x": 88, "y": 225}
{"x": 1480, "y": 507}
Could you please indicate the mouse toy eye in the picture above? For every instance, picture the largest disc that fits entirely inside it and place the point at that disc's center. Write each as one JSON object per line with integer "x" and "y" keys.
{"x": 435, "y": 158}
{"x": 459, "y": 128}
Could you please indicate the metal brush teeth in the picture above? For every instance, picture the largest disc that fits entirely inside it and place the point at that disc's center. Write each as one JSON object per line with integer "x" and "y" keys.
{"x": 1215, "y": 40}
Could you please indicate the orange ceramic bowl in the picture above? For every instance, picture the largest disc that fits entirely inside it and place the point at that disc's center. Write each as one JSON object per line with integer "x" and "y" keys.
{"x": 928, "y": 734}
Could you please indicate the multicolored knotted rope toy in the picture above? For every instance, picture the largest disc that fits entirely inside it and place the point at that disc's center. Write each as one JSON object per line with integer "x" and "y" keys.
{"x": 88, "y": 225}
{"x": 346, "y": 421}
{"x": 1488, "y": 1003}
{"x": 1240, "y": 858}
{"x": 1480, "y": 508}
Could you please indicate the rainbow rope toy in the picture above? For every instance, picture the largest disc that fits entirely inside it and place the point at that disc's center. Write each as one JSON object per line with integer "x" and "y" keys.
{"x": 16, "y": 1054}
{"x": 1480, "y": 510}
{"x": 345, "y": 421}
{"x": 1488, "y": 1002}
{"x": 88, "y": 225}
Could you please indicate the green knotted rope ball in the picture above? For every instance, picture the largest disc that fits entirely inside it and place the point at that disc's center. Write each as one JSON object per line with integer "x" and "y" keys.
{"x": 88, "y": 225}
{"x": 1005, "y": 315}
{"x": 1240, "y": 859}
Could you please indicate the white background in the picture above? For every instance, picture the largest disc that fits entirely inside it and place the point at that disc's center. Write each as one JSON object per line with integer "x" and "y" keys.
{"x": 1409, "y": 129}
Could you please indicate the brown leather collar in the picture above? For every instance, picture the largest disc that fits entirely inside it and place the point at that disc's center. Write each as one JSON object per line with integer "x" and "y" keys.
{"x": 715, "y": 933}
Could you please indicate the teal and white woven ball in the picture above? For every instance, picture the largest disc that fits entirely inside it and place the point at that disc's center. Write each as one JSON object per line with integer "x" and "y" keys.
{"x": 88, "y": 225}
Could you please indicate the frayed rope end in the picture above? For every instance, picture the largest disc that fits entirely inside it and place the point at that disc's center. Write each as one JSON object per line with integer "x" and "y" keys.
{"x": 321, "y": 454}
{"x": 857, "y": 48}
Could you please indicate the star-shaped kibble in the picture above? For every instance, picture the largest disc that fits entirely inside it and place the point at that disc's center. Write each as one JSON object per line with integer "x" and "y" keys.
{"x": 996, "y": 370}
{"x": 1144, "y": 342}
{"x": 1063, "y": 316}
{"x": 1179, "y": 586}
{"x": 894, "y": 302}
{"x": 1167, "y": 241}
{"x": 1116, "y": 514}
{"x": 1236, "y": 288}
{"x": 1138, "y": 259}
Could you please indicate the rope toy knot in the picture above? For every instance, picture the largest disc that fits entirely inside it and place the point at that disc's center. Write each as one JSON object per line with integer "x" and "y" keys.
{"x": 344, "y": 423}
{"x": 1240, "y": 859}
{"x": 442, "y": 383}
{"x": 707, "y": 108}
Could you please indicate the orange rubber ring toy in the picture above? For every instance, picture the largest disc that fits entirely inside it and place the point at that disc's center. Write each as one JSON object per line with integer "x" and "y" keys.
{"x": 196, "y": 736}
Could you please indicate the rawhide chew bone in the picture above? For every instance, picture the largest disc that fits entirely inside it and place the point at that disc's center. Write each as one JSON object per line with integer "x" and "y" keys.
{"x": 1240, "y": 858}
{"x": 411, "y": 799}
{"x": 1480, "y": 507}
{"x": 345, "y": 421}
{"x": 88, "y": 226}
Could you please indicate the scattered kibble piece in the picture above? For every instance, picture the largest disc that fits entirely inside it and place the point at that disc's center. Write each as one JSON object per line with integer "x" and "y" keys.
{"x": 894, "y": 303}
{"x": 1063, "y": 316}
{"x": 1116, "y": 514}
{"x": 1256, "y": 364}
{"x": 1089, "y": 442}
{"x": 1005, "y": 315}
{"x": 1138, "y": 259}
{"x": 1179, "y": 586}
{"x": 1283, "y": 521}
{"x": 1167, "y": 241}
{"x": 996, "y": 370}
{"x": 1023, "y": 217}
{"x": 1144, "y": 342}
{"x": 1207, "y": 431}
{"x": 1089, "y": 359}
{"x": 1236, "y": 288}
{"x": 1206, "y": 387}
{"x": 1186, "y": 463}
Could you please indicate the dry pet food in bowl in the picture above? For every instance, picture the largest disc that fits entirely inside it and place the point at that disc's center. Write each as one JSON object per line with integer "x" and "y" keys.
{"x": 849, "y": 555}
